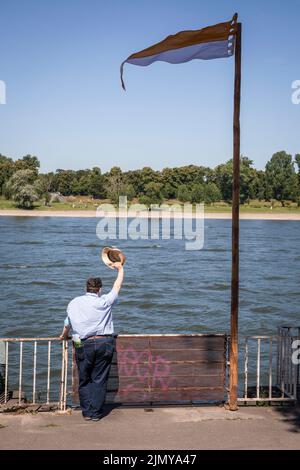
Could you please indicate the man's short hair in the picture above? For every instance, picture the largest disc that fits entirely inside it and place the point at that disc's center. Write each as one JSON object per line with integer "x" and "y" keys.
{"x": 93, "y": 284}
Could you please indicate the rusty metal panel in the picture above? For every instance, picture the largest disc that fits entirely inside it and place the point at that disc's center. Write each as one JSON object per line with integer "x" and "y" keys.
{"x": 165, "y": 369}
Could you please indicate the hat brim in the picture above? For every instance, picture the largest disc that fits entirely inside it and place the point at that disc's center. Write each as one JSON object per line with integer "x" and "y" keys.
{"x": 111, "y": 255}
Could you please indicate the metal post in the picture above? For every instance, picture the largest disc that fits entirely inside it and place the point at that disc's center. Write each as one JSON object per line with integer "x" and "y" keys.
{"x": 246, "y": 369}
{"x": 233, "y": 384}
{"x": 66, "y": 376}
{"x": 279, "y": 354}
{"x": 258, "y": 369}
{"x": 48, "y": 372}
{"x": 271, "y": 368}
{"x": 34, "y": 373}
{"x": 20, "y": 371}
{"x": 295, "y": 378}
{"x": 282, "y": 366}
{"x": 6, "y": 373}
{"x": 62, "y": 381}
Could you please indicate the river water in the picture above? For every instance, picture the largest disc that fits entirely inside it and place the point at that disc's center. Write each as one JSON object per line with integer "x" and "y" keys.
{"x": 45, "y": 262}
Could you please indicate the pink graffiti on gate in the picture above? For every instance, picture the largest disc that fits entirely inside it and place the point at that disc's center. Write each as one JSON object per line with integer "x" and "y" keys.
{"x": 143, "y": 368}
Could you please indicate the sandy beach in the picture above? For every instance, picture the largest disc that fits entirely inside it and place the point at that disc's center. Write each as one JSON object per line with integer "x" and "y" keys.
{"x": 207, "y": 215}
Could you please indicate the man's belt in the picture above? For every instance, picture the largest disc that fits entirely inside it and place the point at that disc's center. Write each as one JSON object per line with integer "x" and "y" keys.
{"x": 97, "y": 337}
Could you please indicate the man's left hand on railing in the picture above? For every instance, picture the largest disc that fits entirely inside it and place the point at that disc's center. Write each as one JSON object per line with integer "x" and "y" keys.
{"x": 65, "y": 333}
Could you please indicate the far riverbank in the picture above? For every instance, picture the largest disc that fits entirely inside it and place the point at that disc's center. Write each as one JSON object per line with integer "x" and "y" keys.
{"x": 93, "y": 213}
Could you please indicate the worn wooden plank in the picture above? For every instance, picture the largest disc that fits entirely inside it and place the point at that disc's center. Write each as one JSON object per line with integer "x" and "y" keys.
{"x": 170, "y": 342}
{"x": 131, "y": 356}
{"x": 136, "y": 397}
{"x": 188, "y": 382}
{"x": 188, "y": 370}
{"x": 168, "y": 355}
{"x": 187, "y": 355}
{"x": 167, "y": 369}
{"x": 202, "y": 394}
{"x": 185, "y": 342}
{"x": 126, "y": 383}
{"x": 129, "y": 343}
{"x": 188, "y": 395}
{"x": 130, "y": 370}
{"x": 122, "y": 383}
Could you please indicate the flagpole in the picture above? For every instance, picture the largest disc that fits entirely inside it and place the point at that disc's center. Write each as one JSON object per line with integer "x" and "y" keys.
{"x": 233, "y": 383}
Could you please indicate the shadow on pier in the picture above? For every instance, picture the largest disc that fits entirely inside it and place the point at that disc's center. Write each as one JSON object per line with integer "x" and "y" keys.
{"x": 289, "y": 415}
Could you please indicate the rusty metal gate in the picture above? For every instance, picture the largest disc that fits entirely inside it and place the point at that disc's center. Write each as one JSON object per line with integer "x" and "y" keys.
{"x": 149, "y": 369}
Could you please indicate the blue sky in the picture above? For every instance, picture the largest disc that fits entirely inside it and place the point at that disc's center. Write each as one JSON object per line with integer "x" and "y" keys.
{"x": 60, "y": 61}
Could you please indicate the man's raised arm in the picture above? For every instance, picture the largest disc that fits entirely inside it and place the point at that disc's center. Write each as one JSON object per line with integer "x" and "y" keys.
{"x": 118, "y": 282}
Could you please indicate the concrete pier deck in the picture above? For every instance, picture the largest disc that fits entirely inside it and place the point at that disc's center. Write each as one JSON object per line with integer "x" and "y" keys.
{"x": 156, "y": 428}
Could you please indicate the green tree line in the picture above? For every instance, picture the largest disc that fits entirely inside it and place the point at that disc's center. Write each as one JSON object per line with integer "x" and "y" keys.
{"x": 21, "y": 181}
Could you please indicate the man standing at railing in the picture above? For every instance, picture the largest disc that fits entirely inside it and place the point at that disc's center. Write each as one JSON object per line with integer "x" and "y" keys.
{"x": 90, "y": 318}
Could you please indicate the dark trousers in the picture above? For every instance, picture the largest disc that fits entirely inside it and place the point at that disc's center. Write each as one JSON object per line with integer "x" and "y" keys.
{"x": 93, "y": 360}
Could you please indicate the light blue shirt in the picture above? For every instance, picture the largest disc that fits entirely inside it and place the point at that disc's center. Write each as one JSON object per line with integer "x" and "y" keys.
{"x": 90, "y": 315}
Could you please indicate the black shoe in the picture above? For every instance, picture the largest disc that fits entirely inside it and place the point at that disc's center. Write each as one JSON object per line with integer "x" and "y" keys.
{"x": 95, "y": 418}
{"x": 87, "y": 418}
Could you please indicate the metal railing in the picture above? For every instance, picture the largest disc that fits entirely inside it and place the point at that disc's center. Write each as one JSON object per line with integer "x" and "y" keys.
{"x": 267, "y": 372}
{"x": 288, "y": 372}
{"x": 262, "y": 379}
{"x": 14, "y": 361}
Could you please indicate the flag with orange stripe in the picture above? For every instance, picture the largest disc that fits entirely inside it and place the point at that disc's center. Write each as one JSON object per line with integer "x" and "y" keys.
{"x": 212, "y": 42}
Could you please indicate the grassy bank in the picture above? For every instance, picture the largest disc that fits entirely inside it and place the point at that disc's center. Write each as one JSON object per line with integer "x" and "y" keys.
{"x": 85, "y": 203}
